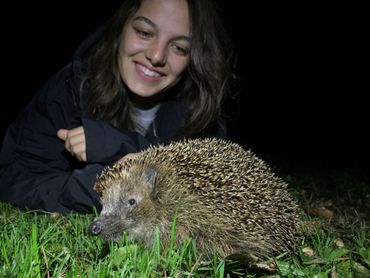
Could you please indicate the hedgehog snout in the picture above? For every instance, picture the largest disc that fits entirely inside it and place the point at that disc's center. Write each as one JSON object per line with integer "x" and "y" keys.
{"x": 96, "y": 227}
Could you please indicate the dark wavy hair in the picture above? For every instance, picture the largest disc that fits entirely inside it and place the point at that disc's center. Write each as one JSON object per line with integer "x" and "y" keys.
{"x": 204, "y": 85}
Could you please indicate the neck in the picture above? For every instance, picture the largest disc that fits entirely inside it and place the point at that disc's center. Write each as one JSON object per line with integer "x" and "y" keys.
{"x": 145, "y": 103}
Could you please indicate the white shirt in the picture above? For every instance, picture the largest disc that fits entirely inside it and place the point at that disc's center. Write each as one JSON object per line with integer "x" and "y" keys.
{"x": 143, "y": 118}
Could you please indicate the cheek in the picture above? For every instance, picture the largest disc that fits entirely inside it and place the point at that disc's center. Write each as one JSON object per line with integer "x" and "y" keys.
{"x": 125, "y": 53}
{"x": 128, "y": 49}
{"x": 129, "y": 44}
{"x": 178, "y": 65}
{"x": 110, "y": 201}
{"x": 108, "y": 208}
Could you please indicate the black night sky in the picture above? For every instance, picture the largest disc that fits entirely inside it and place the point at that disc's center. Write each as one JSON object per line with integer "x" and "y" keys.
{"x": 301, "y": 68}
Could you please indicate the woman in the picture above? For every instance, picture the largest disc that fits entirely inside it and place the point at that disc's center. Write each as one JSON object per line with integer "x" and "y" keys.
{"x": 158, "y": 71}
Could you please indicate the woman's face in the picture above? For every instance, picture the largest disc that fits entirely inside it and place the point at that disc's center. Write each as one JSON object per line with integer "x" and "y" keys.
{"x": 155, "y": 45}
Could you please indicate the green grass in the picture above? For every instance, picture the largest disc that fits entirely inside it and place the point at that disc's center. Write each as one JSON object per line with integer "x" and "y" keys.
{"x": 35, "y": 244}
{"x": 50, "y": 245}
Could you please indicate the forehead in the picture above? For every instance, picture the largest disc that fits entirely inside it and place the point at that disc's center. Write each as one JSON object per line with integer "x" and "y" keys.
{"x": 128, "y": 184}
{"x": 170, "y": 16}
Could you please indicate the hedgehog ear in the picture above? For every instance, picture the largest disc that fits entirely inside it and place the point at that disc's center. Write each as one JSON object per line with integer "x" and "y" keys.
{"x": 149, "y": 176}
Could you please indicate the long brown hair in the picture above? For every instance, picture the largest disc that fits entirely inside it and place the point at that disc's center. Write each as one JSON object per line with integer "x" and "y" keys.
{"x": 203, "y": 87}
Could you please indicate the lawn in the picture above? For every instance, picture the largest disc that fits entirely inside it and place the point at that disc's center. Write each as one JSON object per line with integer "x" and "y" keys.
{"x": 38, "y": 244}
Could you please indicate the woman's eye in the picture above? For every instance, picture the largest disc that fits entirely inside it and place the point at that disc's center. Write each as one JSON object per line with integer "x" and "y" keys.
{"x": 132, "y": 202}
{"x": 180, "y": 50}
{"x": 143, "y": 34}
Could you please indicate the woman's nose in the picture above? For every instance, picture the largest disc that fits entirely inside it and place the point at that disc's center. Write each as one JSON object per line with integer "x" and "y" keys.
{"x": 157, "y": 54}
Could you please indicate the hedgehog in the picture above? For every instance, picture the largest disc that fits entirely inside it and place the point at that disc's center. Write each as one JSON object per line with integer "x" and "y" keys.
{"x": 219, "y": 194}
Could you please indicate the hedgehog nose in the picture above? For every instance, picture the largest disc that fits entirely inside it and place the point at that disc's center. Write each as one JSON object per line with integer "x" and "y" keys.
{"x": 96, "y": 227}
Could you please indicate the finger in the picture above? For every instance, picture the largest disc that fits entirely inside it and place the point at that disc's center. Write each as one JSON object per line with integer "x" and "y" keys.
{"x": 78, "y": 149}
{"x": 82, "y": 157}
{"x": 76, "y": 139}
{"x": 62, "y": 134}
{"x": 76, "y": 131}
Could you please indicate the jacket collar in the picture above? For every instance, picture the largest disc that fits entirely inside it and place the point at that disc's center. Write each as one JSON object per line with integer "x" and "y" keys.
{"x": 168, "y": 122}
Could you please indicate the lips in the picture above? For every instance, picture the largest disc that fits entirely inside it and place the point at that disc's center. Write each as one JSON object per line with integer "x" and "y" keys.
{"x": 147, "y": 73}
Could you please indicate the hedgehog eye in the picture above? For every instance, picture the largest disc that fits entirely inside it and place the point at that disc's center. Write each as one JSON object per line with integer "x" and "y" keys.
{"x": 132, "y": 202}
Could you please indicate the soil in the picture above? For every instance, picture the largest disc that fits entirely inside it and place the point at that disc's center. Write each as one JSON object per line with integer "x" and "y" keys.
{"x": 340, "y": 194}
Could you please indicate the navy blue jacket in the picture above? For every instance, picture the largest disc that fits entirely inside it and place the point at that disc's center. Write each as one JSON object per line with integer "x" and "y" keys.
{"x": 36, "y": 172}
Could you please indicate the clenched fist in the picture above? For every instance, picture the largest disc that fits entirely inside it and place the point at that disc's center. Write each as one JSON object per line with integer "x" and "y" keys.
{"x": 74, "y": 141}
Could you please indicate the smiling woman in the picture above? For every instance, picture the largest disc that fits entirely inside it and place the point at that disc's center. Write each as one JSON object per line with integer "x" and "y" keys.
{"x": 158, "y": 71}
{"x": 153, "y": 51}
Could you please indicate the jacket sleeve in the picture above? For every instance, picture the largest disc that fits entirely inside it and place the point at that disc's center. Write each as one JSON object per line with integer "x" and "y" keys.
{"x": 106, "y": 144}
{"x": 36, "y": 172}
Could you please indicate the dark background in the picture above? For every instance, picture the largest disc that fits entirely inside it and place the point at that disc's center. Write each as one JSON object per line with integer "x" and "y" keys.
{"x": 302, "y": 74}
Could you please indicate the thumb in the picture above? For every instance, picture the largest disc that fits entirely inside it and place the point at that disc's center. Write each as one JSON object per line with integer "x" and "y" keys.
{"x": 62, "y": 134}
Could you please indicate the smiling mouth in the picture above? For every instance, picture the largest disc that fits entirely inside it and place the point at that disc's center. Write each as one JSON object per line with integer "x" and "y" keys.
{"x": 147, "y": 72}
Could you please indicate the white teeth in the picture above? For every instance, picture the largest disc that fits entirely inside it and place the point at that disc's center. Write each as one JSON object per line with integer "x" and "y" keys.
{"x": 148, "y": 72}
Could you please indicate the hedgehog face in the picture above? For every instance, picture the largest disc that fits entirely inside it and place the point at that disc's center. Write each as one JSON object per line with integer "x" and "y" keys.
{"x": 125, "y": 204}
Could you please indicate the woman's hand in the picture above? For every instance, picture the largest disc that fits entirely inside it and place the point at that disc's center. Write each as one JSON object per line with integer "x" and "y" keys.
{"x": 74, "y": 141}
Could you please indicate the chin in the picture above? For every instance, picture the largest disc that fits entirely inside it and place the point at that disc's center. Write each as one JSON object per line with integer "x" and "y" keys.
{"x": 145, "y": 94}
{"x": 144, "y": 91}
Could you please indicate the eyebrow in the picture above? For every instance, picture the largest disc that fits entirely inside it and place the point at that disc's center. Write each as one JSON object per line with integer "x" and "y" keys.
{"x": 151, "y": 23}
